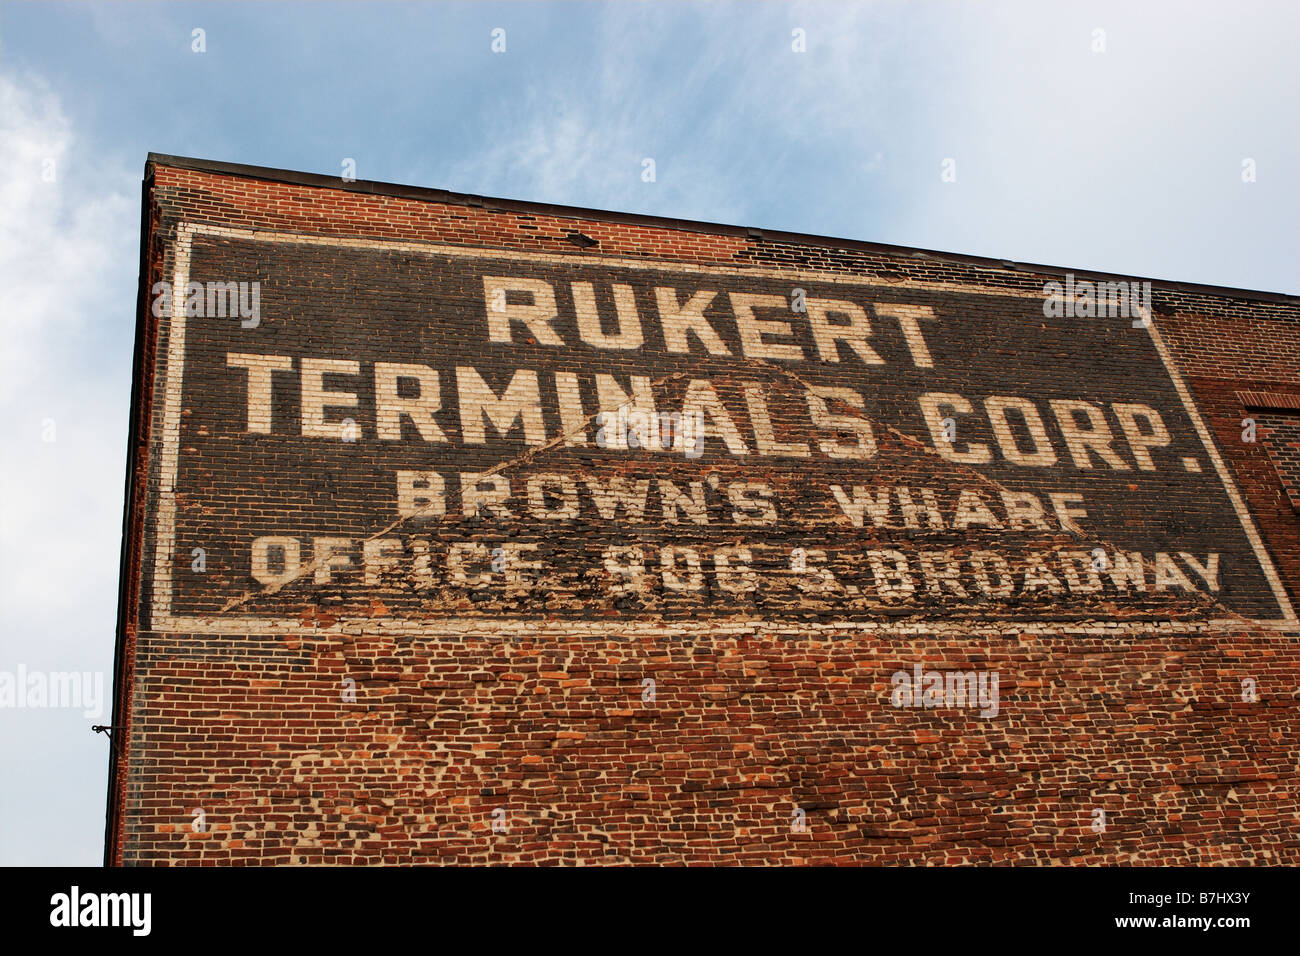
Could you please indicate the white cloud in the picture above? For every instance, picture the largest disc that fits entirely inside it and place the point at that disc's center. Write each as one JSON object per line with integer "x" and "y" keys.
{"x": 1126, "y": 160}
{"x": 61, "y": 237}
{"x": 685, "y": 87}
{"x": 68, "y": 252}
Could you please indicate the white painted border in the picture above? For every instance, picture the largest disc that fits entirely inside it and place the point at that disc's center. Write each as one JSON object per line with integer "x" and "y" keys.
{"x": 1247, "y": 523}
{"x": 161, "y": 618}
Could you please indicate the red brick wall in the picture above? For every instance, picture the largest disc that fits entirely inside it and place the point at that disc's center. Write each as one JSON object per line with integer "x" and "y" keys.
{"x": 1236, "y": 367}
{"x": 1280, "y": 433}
{"x": 382, "y": 722}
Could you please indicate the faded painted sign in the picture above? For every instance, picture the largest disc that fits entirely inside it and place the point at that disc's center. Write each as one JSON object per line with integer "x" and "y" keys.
{"x": 430, "y": 433}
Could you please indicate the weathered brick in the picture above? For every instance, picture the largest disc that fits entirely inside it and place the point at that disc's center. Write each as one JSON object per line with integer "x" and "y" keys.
{"x": 663, "y": 658}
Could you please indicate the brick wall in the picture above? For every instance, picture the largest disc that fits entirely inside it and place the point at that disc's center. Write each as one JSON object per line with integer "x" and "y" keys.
{"x": 1281, "y": 438}
{"x": 371, "y": 616}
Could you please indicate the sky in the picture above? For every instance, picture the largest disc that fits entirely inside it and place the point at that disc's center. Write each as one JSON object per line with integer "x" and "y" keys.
{"x": 1154, "y": 139}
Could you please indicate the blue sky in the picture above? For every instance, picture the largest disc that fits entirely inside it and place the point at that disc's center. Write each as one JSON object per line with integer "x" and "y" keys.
{"x": 1126, "y": 160}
